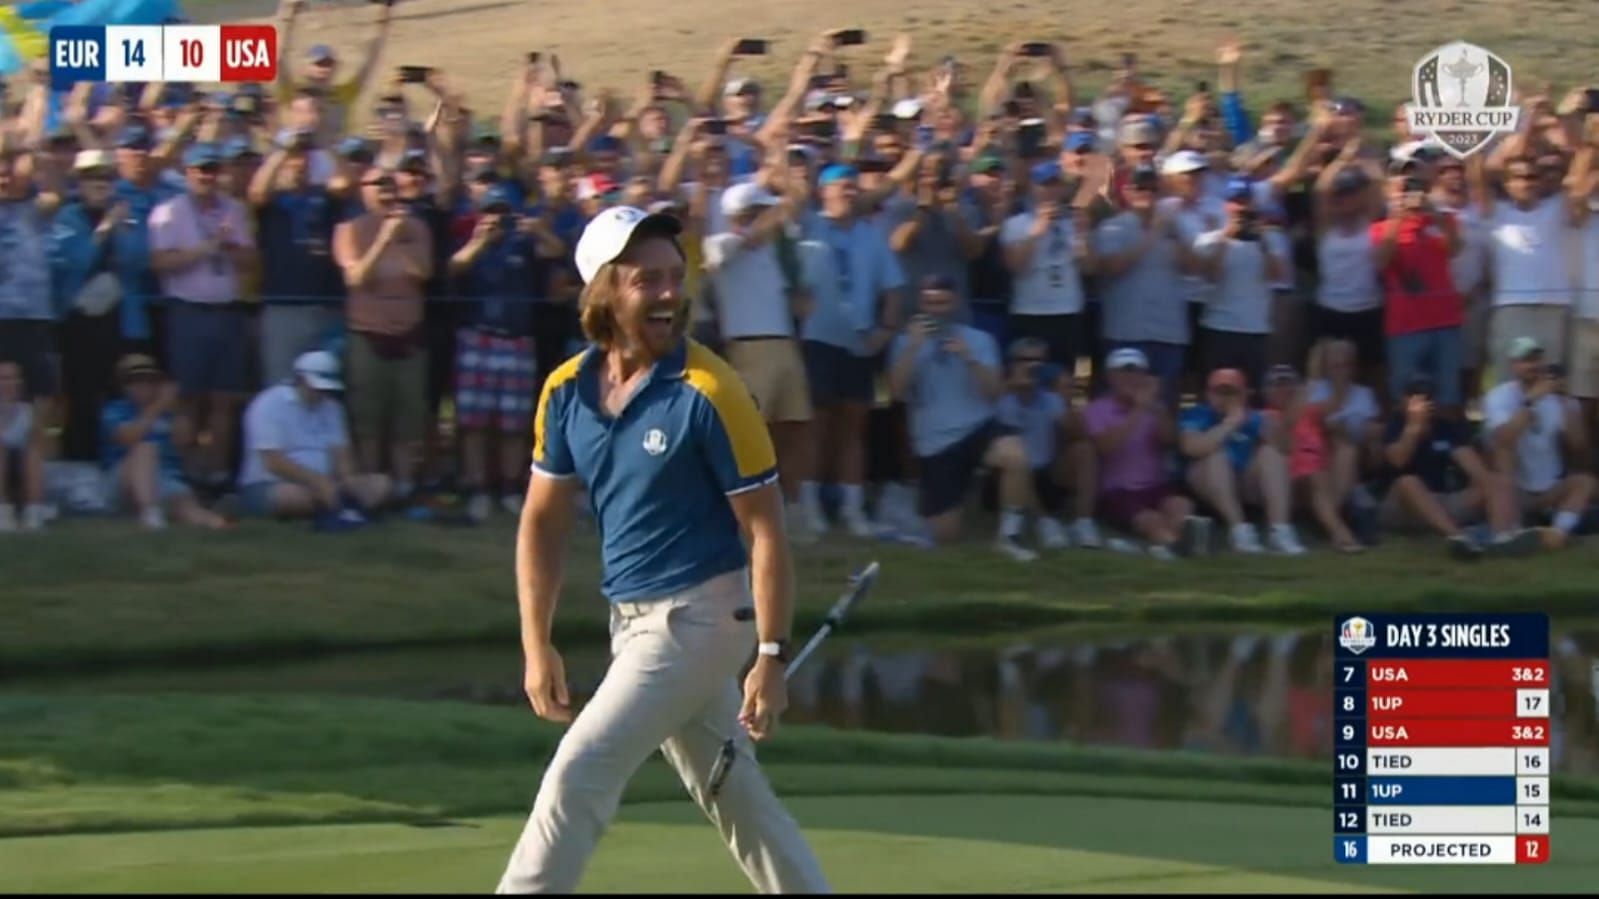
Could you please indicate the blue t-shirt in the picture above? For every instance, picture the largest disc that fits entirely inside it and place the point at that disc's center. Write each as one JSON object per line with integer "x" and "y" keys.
{"x": 140, "y": 287}
{"x": 946, "y": 403}
{"x": 296, "y": 239}
{"x": 1241, "y": 443}
{"x": 122, "y": 411}
{"x": 505, "y": 280}
{"x": 1037, "y": 420}
{"x": 659, "y": 474}
{"x": 847, "y": 281}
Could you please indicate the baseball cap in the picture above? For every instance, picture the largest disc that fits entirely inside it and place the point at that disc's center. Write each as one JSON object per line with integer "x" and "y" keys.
{"x": 414, "y": 161}
{"x": 1083, "y": 116}
{"x": 1183, "y": 162}
{"x": 201, "y": 154}
{"x": 908, "y": 108}
{"x": 1349, "y": 180}
{"x": 1139, "y": 130}
{"x": 609, "y": 233}
{"x": 89, "y": 160}
{"x": 137, "y": 365}
{"x": 1239, "y": 190}
{"x": 605, "y": 143}
{"x": 836, "y": 172}
{"x": 1078, "y": 141}
{"x": 1525, "y": 348}
{"x": 355, "y": 148}
{"x": 321, "y": 53}
{"x": 1046, "y": 172}
{"x": 495, "y": 195}
{"x": 237, "y": 148}
{"x": 745, "y": 195}
{"x": 1127, "y": 357}
{"x": 1227, "y": 377}
{"x": 737, "y": 86}
{"x": 816, "y": 99}
{"x": 1347, "y": 105}
{"x": 1282, "y": 374}
{"x": 480, "y": 171}
{"x": 134, "y": 137}
{"x": 320, "y": 369}
{"x": 987, "y": 164}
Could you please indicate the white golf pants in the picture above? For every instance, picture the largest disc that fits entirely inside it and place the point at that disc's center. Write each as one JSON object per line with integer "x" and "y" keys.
{"x": 673, "y": 683}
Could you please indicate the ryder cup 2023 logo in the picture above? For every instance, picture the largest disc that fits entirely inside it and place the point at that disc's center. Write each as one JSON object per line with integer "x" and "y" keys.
{"x": 1460, "y": 96}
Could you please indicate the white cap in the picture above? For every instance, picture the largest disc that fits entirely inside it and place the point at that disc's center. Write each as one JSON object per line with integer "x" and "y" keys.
{"x": 737, "y": 86}
{"x": 608, "y": 233}
{"x": 1184, "y": 161}
{"x": 93, "y": 159}
{"x": 1127, "y": 357}
{"x": 320, "y": 369}
{"x": 908, "y": 108}
{"x": 742, "y": 196}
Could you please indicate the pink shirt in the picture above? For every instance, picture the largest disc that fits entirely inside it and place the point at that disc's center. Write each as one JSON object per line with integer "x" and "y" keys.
{"x": 1136, "y": 464}
{"x": 180, "y": 224}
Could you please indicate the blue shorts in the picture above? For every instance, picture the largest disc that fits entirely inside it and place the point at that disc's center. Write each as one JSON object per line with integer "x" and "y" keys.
{"x": 837, "y": 375}
{"x": 208, "y": 346}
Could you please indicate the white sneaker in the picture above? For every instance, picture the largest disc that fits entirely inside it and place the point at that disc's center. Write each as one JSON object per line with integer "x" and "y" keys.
{"x": 512, "y": 504}
{"x": 154, "y": 519}
{"x": 1008, "y": 546}
{"x": 1124, "y": 546}
{"x": 815, "y": 520}
{"x": 34, "y": 518}
{"x": 1162, "y": 553}
{"x": 479, "y": 507}
{"x": 1284, "y": 540}
{"x": 8, "y": 519}
{"x": 1052, "y": 534}
{"x": 1086, "y": 534}
{"x": 858, "y": 526}
{"x": 1246, "y": 539}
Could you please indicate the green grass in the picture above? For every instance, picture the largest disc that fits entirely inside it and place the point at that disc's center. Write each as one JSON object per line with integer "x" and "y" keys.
{"x": 75, "y": 764}
{"x": 101, "y": 594}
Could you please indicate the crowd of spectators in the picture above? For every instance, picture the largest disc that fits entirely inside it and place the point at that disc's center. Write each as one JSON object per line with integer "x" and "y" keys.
{"x": 946, "y": 291}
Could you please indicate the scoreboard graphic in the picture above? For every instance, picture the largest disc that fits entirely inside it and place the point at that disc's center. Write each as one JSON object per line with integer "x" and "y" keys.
{"x": 141, "y": 53}
{"x": 1441, "y": 739}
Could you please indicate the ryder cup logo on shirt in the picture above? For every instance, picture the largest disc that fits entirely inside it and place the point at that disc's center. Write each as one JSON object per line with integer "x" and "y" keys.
{"x": 1461, "y": 97}
{"x": 1357, "y": 635}
{"x": 655, "y": 442}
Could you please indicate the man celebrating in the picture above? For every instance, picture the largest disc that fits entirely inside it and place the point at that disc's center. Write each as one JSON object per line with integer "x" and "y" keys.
{"x": 677, "y": 463}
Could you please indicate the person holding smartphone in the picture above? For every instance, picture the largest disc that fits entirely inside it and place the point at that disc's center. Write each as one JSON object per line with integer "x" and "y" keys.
{"x": 1047, "y": 249}
{"x": 320, "y": 71}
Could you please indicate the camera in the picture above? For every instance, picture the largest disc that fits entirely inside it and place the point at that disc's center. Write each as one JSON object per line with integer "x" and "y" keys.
{"x": 715, "y": 126}
{"x": 852, "y": 37}
{"x": 1037, "y": 49}
{"x": 750, "y": 47}
{"x": 415, "y": 74}
{"x": 1249, "y": 225}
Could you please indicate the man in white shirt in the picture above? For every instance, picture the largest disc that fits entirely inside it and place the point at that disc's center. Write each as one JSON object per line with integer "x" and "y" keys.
{"x": 297, "y": 460}
{"x": 1244, "y": 261}
{"x": 756, "y": 314}
{"x": 1534, "y": 433}
{"x": 1528, "y": 239}
{"x": 1047, "y": 249}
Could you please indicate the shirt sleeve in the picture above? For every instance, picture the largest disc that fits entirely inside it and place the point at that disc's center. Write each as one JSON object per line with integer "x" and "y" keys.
{"x": 163, "y": 227}
{"x": 891, "y": 275}
{"x": 1236, "y": 118}
{"x": 720, "y": 249}
{"x": 1498, "y": 407}
{"x": 552, "y": 455}
{"x": 731, "y": 433}
{"x": 1014, "y": 229}
{"x": 1194, "y": 420}
{"x": 266, "y": 428}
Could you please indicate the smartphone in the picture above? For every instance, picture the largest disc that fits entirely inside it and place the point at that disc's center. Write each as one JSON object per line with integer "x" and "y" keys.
{"x": 658, "y": 77}
{"x": 852, "y": 37}
{"x": 570, "y": 85}
{"x": 715, "y": 126}
{"x": 1202, "y": 87}
{"x": 1029, "y": 138}
{"x": 415, "y": 74}
{"x": 533, "y": 56}
{"x": 751, "y": 46}
{"x": 1591, "y": 100}
{"x": 1037, "y": 48}
{"x": 1012, "y": 109}
{"x": 885, "y": 121}
{"x": 826, "y": 129}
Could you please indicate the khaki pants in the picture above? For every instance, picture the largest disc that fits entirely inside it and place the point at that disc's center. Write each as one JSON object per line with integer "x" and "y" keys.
{"x": 673, "y": 684}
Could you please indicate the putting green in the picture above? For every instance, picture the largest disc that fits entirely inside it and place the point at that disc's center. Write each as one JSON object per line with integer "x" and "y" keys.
{"x": 887, "y": 844}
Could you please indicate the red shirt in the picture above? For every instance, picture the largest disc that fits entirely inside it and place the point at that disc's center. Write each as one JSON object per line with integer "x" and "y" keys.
{"x": 1418, "y": 290}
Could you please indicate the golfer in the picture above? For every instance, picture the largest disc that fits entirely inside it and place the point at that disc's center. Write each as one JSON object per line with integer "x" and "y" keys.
{"x": 677, "y": 463}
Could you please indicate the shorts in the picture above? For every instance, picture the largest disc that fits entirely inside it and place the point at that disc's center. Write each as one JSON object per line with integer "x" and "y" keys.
{"x": 385, "y": 392}
{"x": 1545, "y": 323}
{"x": 493, "y": 381}
{"x": 31, "y": 344}
{"x": 289, "y": 330}
{"x": 947, "y": 475}
{"x": 1436, "y": 353}
{"x": 1119, "y": 508}
{"x": 255, "y": 500}
{"x": 1583, "y": 355}
{"x": 438, "y": 324}
{"x": 1364, "y": 329}
{"x": 774, "y": 372}
{"x": 1394, "y": 515}
{"x": 1234, "y": 349}
{"x": 169, "y": 486}
{"x": 837, "y": 375}
{"x": 209, "y": 347}
{"x": 1065, "y": 335}
{"x": 1051, "y": 495}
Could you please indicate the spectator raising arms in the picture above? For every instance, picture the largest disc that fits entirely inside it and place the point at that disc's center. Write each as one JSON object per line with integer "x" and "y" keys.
{"x": 139, "y": 449}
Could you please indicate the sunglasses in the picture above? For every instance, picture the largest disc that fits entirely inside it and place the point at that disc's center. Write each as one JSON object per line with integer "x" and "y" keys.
{"x": 1142, "y": 147}
{"x": 209, "y": 168}
{"x": 378, "y": 182}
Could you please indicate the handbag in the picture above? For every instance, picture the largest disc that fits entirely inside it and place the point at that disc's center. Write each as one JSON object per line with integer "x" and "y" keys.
{"x": 98, "y": 295}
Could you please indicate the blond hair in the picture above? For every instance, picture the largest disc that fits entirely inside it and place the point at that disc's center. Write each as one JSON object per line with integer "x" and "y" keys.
{"x": 597, "y": 313}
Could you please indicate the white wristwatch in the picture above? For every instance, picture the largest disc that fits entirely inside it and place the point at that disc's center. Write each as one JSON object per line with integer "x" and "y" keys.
{"x": 777, "y": 650}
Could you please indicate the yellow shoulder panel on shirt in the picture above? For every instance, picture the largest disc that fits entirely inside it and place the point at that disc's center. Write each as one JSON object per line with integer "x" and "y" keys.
{"x": 746, "y": 430}
{"x": 564, "y": 373}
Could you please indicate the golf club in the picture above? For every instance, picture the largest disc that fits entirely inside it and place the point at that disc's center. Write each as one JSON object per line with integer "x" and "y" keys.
{"x": 860, "y": 582}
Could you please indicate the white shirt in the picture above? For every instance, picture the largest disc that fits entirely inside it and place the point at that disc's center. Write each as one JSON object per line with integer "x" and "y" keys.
{"x": 278, "y": 420}
{"x": 1469, "y": 267}
{"x": 1348, "y": 268}
{"x": 1539, "y": 462}
{"x": 1242, "y": 302}
{"x": 1206, "y": 215}
{"x": 1355, "y": 415}
{"x": 751, "y": 294}
{"x": 1528, "y": 253}
{"x": 1587, "y": 253}
{"x": 1049, "y": 285}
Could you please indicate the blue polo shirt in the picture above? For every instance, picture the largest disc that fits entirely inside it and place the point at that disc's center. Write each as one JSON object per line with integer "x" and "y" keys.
{"x": 1241, "y": 443}
{"x": 847, "y": 281}
{"x": 946, "y": 402}
{"x": 659, "y": 474}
